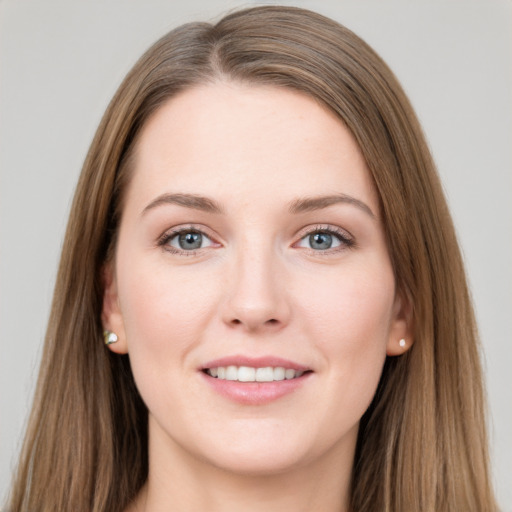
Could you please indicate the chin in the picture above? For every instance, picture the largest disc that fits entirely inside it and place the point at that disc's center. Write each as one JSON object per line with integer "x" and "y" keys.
{"x": 267, "y": 451}
{"x": 261, "y": 464}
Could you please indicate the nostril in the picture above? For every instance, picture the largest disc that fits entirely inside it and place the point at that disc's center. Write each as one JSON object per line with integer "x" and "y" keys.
{"x": 271, "y": 321}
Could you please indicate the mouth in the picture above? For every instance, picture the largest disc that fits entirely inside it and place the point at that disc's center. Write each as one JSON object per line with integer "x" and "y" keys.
{"x": 255, "y": 381}
{"x": 253, "y": 374}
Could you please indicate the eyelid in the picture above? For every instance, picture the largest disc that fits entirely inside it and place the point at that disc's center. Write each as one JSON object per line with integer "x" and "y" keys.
{"x": 167, "y": 235}
{"x": 347, "y": 240}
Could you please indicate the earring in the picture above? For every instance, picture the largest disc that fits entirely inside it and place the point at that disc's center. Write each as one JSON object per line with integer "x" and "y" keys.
{"x": 402, "y": 343}
{"x": 109, "y": 337}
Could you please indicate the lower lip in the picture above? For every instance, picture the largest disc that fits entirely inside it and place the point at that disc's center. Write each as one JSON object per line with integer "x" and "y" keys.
{"x": 255, "y": 393}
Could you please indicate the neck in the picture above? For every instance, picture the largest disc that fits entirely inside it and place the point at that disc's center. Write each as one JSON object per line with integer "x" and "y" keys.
{"x": 184, "y": 483}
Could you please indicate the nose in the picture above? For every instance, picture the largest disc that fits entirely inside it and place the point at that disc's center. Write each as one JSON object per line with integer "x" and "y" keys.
{"x": 256, "y": 296}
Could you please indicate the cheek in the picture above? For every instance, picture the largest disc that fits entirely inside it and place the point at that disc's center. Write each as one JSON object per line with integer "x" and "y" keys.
{"x": 165, "y": 314}
{"x": 350, "y": 318}
{"x": 164, "y": 309}
{"x": 354, "y": 304}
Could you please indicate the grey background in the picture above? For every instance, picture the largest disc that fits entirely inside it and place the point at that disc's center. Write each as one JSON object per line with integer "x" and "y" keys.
{"x": 61, "y": 61}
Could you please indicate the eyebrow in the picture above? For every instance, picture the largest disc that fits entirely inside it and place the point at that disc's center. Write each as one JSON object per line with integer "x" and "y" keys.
{"x": 308, "y": 204}
{"x": 301, "y": 205}
{"x": 192, "y": 201}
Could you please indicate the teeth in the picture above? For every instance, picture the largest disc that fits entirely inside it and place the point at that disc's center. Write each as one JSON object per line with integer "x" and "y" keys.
{"x": 231, "y": 373}
{"x": 265, "y": 374}
{"x": 248, "y": 374}
{"x": 279, "y": 373}
{"x": 289, "y": 374}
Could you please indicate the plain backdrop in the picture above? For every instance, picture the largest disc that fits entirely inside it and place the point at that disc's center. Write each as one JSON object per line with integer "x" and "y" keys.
{"x": 61, "y": 61}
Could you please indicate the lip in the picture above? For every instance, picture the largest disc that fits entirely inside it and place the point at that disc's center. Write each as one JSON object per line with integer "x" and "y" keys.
{"x": 254, "y": 362}
{"x": 255, "y": 393}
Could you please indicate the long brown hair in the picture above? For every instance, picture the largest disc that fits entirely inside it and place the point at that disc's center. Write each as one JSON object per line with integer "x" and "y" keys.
{"x": 422, "y": 443}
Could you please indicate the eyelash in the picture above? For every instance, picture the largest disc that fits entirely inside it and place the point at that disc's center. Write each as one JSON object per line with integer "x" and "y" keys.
{"x": 164, "y": 240}
{"x": 346, "y": 241}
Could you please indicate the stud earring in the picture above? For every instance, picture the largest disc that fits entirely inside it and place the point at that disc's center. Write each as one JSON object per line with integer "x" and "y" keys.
{"x": 402, "y": 343}
{"x": 109, "y": 337}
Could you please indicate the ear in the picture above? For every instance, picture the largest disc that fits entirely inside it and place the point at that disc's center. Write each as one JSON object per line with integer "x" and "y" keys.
{"x": 111, "y": 316}
{"x": 401, "y": 332}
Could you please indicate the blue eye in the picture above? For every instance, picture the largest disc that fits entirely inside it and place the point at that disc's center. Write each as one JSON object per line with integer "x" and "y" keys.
{"x": 323, "y": 240}
{"x": 189, "y": 240}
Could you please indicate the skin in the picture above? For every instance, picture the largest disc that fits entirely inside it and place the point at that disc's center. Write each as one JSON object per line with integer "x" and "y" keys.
{"x": 257, "y": 287}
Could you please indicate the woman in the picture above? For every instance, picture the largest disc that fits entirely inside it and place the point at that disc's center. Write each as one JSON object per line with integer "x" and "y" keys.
{"x": 260, "y": 235}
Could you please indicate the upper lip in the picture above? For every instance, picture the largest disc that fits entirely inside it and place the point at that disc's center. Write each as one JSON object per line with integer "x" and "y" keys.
{"x": 255, "y": 362}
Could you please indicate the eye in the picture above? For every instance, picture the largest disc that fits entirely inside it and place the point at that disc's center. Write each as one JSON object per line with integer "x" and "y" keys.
{"x": 186, "y": 240}
{"x": 319, "y": 241}
{"x": 324, "y": 240}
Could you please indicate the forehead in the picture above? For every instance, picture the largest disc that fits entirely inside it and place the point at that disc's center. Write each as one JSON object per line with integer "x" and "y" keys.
{"x": 225, "y": 137}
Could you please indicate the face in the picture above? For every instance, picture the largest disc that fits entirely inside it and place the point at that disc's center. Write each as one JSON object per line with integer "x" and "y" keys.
{"x": 252, "y": 287}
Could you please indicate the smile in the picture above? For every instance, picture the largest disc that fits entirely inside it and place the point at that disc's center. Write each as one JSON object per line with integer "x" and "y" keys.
{"x": 252, "y": 381}
{"x": 250, "y": 374}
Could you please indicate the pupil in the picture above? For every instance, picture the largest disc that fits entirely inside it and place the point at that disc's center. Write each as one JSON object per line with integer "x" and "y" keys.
{"x": 190, "y": 240}
{"x": 320, "y": 241}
